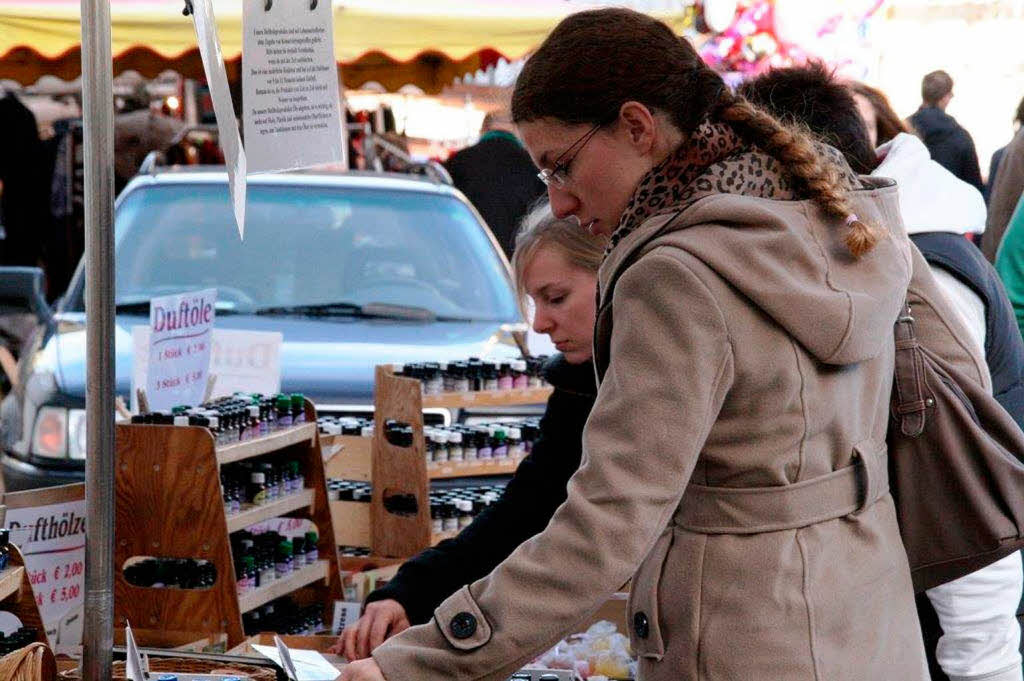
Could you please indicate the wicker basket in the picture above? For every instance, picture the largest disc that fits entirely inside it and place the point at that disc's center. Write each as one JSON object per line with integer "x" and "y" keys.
{"x": 32, "y": 663}
{"x": 183, "y": 666}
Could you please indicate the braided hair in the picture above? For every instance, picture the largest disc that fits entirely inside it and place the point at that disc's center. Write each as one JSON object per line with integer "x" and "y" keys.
{"x": 595, "y": 61}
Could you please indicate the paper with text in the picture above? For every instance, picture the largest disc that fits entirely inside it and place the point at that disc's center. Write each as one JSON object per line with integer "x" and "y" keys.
{"x": 180, "y": 341}
{"x": 292, "y": 112}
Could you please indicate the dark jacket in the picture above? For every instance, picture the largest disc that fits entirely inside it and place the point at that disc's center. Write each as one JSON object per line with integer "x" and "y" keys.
{"x": 530, "y": 499}
{"x": 993, "y": 170}
{"x": 1004, "y": 348}
{"x": 949, "y": 144}
{"x": 498, "y": 177}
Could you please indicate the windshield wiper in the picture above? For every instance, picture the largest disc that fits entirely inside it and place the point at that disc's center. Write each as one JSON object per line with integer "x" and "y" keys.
{"x": 368, "y": 311}
{"x": 142, "y": 307}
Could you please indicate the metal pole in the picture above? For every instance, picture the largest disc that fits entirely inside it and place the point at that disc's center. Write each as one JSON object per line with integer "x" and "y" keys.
{"x": 98, "y": 112}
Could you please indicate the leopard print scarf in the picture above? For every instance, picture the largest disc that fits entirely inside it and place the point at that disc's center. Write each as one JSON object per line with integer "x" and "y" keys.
{"x": 713, "y": 161}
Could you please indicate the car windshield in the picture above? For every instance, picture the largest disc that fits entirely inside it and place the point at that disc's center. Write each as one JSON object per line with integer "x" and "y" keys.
{"x": 310, "y": 245}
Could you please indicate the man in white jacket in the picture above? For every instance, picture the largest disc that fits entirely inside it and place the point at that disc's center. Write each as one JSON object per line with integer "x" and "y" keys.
{"x": 980, "y": 638}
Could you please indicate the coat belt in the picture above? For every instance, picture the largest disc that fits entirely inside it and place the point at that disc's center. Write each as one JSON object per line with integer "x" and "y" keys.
{"x": 752, "y": 510}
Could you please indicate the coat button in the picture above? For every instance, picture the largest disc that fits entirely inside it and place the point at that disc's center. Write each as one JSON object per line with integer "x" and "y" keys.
{"x": 463, "y": 625}
{"x": 641, "y": 625}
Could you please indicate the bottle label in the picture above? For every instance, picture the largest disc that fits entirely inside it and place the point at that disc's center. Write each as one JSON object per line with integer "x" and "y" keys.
{"x": 282, "y": 568}
{"x": 284, "y": 421}
{"x": 260, "y": 497}
{"x": 500, "y": 452}
{"x": 312, "y": 556}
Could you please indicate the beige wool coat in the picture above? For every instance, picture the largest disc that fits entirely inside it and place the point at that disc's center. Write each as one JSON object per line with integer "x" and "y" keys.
{"x": 734, "y": 464}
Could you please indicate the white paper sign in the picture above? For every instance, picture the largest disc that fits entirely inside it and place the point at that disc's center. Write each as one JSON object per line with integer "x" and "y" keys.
{"x": 180, "y": 341}
{"x": 246, "y": 361}
{"x": 242, "y": 361}
{"x": 227, "y": 124}
{"x": 309, "y": 664}
{"x": 52, "y": 540}
{"x": 292, "y": 109}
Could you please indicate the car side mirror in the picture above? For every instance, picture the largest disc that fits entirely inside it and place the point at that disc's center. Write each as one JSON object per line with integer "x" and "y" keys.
{"x": 21, "y": 290}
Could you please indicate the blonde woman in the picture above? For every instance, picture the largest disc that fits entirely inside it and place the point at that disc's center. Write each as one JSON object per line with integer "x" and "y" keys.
{"x": 555, "y": 264}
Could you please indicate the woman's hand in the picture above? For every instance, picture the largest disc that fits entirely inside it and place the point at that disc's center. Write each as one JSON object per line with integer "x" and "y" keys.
{"x": 381, "y": 620}
{"x": 363, "y": 670}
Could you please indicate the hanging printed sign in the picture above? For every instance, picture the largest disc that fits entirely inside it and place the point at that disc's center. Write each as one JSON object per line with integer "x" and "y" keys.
{"x": 292, "y": 112}
{"x": 48, "y": 525}
{"x": 180, "y": 340}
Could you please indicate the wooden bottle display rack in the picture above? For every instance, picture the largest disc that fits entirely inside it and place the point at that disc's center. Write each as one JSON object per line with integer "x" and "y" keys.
{"x": 17, "y": 597}
{"x": 402, "y": 471}
{"x": 169, "y": 505}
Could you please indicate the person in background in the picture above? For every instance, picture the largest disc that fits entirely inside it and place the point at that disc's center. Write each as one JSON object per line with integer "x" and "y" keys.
{"x": 1006, "y": 193}
{"x": 993, "y": 167}
{"x": 555, "y": 264}
{"x": 1010, "y": 265}
{"x": 498, "y": 178}
{"x": 978, "y": 636}
{"x": 882, "y": 122}
{"x": 949, "y": 144}
{"x": 751, "y": 284}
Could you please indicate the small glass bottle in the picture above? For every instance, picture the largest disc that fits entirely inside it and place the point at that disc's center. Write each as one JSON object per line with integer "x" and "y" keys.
{"x": 500, "y": 444}
{"x": 484, "y": 450}
{"x": 450, "y": 518}
{"x": 436, "y": 519}
{"x": 490, "y": 376}
{"x": 469, "y": 450}
{"x": 535, "y": 381}
{"x": 255, "y": 424}
{"x": 520, "y": 379}
{"x": 298, "y": 408}
{"x": 283, "y": 565}
{"x": 515, "y": 444}
{"x": 440, "y": 439}
{"x": 505, "y": 379}
{"x": 465, "y": 513}
{"x": 312, "y": 552}
{"x": 284, "y": 412}
{"x": 298, "y": 552}
{"x": 5, "y": 548}
{"x": 258, "y": 489}
{"x": 448, "y": 377}
{"x": 455, "y": 451}
{"x": 461, "y": 382}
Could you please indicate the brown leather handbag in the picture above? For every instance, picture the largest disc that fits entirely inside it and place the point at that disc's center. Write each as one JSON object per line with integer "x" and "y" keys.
{"x": 956, "y": 467}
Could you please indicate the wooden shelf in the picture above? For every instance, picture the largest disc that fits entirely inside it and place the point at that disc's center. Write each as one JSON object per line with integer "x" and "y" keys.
{"x": 477, "y": 468}
{"x": 10, "y": 581}
{"x": 282, "y": 587}
{"x": 254, "y": 514}
{"x": 489, "y": 398}
{"x": 240, "y": 451}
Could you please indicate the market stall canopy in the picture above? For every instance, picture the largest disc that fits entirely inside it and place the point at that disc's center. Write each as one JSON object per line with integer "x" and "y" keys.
{"x": 427, "y": 43}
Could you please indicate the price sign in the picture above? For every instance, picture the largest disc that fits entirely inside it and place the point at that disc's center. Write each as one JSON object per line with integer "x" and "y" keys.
{"x": 180, "y": 339}
{"x": 48, "y": 525}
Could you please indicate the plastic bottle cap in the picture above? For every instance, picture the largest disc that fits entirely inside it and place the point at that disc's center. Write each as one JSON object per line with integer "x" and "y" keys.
{"x": 519, "y": 365}
{"x": 456, "y": 438}
{"x": 181, "y": 420}
{"x": 254, "y": 412}
{"x": 258, "y": 478}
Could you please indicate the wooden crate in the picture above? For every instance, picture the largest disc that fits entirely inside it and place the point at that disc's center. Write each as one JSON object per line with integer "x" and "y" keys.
{"x": 169, "y": 505}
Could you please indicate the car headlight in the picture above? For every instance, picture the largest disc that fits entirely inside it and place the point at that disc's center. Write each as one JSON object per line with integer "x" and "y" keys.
{"x": 50, "y": 433}
{"x": 76, "y": 433}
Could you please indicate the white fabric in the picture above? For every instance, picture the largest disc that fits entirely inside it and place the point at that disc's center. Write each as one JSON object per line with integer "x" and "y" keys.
{"x": 932, "y": 199}
{"x": 981, "y": 635}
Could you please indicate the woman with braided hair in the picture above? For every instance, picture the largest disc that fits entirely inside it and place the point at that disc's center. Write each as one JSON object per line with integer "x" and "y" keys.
{"x": 734, "y": 462}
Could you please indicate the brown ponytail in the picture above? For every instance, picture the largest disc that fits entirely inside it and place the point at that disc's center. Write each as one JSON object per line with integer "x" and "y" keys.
{"x": 794, "y": 149}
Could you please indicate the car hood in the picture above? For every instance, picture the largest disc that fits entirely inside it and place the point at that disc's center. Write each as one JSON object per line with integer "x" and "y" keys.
{"x": 330, "y": 360}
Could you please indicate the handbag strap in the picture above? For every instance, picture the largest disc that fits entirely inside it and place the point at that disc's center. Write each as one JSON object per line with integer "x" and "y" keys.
{"x": 910, "y": 402}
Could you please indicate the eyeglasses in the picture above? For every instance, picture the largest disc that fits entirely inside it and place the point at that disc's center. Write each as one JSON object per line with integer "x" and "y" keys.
{"x": 558, "y": 176}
